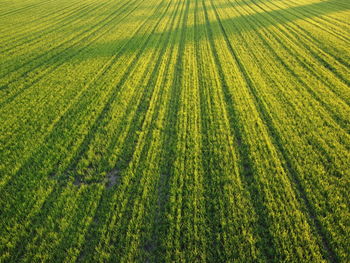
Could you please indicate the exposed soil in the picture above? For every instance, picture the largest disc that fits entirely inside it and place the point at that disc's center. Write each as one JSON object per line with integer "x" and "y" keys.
{"x": 113, "y": 177}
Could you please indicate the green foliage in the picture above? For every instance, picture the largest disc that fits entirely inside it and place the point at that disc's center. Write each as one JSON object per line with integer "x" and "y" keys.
{"x": 174, "y": 131}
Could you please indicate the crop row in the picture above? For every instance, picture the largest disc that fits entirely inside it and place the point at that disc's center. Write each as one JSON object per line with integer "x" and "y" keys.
{"x": 175, "y": 131}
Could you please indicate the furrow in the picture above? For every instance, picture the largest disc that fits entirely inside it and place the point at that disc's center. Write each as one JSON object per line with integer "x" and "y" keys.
{"x": 86, "y": 35}
{"x": 277, "y": 142}
{"x": 132, "y": 64}
{"x": 105, "y": 68}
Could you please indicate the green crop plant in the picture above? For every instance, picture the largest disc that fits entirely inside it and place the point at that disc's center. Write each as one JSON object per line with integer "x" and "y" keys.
{"x": 174, "y": 131}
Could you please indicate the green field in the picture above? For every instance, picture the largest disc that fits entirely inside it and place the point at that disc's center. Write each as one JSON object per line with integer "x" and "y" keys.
{"x": 175, "y": 131}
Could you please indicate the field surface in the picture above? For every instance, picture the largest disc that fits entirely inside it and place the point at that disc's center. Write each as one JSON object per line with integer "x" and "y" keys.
{"x": 174, "y": 131}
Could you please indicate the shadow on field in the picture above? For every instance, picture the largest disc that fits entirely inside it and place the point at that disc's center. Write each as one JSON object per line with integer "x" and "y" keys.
{"x": 235, "y": 25}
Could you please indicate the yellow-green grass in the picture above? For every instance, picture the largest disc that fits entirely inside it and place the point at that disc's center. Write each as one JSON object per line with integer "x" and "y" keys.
{"x": 174, "y": 131}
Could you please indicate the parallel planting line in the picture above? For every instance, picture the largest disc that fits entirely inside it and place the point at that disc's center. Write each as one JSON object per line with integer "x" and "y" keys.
{"x": 227, "y": 205}
{"x": 308, "y": 67}
{"x": 27, "y": 27}
{"x": 111, "y": 96}
{"x": 286, "y": 100}
{"x": 135, "y": 184}
{"x": 324, "y": 153}
{"x": 101, "y": 72}
{"x": 338, "y": 121}
{"x": 80, "y": 37}
{"x": 111, "y": 147}
{"x": 275, "y": 137}
{"x": 266, "y": 243}
{"x": 25, "y": 8}
{"x": 328, "y": 5}
{"x": 312, "y": 40}
{"x": 63, "y": 19}
{"x": 286, "y": 66}
{"x": 61, "y": 59}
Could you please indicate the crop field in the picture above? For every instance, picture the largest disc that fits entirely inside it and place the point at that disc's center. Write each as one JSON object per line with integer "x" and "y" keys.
{"x": 174, "y": 131}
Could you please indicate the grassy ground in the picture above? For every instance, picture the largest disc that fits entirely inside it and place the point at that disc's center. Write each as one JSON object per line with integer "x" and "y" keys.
{"x": 174, "y": 131}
